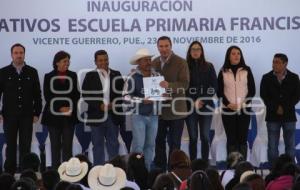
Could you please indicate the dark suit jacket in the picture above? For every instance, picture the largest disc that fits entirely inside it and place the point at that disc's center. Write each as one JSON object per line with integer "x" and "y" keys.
{"x": 286, "y": 94}
{"x": 71, "y": 87}
{"x": 21, "y": 92}
{"x": 92, "y": 83}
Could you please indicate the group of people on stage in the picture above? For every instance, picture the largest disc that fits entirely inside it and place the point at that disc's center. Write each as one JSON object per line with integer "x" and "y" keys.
{"x": 190, "y": 84}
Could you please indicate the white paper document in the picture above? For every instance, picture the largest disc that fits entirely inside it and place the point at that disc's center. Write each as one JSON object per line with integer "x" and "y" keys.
{"x": 152, "y": 89}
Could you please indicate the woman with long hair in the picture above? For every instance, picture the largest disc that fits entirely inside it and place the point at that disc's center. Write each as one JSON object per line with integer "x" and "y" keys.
{"x": 203, "y": 85}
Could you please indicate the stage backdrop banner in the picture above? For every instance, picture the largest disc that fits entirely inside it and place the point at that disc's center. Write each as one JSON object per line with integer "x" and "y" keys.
{"x": 81, "y": 27}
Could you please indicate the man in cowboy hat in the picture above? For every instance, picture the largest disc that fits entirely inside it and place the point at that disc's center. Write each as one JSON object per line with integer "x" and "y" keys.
{"x": 144, "y": 113}
{"x": 170, "y": 124}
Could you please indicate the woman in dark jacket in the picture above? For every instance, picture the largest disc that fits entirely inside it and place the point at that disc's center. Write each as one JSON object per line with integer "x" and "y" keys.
{"x": 203, "y": 85}
{"x": 60, "y": 112}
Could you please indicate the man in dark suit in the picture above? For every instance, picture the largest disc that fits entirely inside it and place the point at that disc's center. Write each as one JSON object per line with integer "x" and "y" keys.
{"x": 102, "y": 91}
{"x": 21, "y": 105}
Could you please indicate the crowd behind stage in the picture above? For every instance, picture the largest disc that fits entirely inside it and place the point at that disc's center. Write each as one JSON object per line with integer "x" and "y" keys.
{"x": 183, "y": 91}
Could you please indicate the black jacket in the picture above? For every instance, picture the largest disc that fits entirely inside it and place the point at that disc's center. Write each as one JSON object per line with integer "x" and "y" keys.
{"x": 286, "y": 94}
{"x": 203, "y": 83}
{"x": 92, "y": 83}
{"x": 70, "y": 85}
{"x": 21, "y": 92}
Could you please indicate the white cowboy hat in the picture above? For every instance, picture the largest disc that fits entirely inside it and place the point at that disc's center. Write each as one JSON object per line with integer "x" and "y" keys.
{"x": 140, "y": 53}
{"x": 106, "y": 177}
{"x": 73, "y": 170}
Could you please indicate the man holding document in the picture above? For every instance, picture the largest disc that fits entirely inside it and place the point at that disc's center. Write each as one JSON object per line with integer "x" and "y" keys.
{"x": 175, "y": 71}
{"x": 143, "y": 101}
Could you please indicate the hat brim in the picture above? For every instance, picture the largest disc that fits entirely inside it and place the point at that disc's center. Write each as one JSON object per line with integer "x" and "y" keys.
{"x": 72, "y": 179}
{"x": 95, "y": 185}
{"x": 134, "y": 59}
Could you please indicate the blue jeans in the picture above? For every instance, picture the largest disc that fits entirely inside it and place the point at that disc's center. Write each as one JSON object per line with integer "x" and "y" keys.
{"x": 144, "y": 129}
{"x": 288, "y": 129}
{"x": 110, "y": 132}
{"x": 204, "y": 122}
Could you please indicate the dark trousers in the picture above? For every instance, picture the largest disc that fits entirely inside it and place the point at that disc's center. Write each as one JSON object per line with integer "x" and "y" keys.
{"x": 12, "y": 126}
{"x": 126, "y": 136}
{"x": 236, "y": 128}
{"x": 61, "y": 138}
{"x": 172, "y": 131}
{"x": 203, "y": 122}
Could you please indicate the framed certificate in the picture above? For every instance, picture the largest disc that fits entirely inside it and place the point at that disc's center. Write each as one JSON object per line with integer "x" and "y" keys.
{"x": 152, "y": 89}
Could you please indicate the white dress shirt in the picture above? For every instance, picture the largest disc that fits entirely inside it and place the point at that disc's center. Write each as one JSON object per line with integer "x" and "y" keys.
{"x": 105, "y": 81}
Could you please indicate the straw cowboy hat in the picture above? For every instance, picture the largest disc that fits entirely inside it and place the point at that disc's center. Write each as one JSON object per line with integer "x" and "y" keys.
{"x": 73, "y": 170}
{"x": 140, "y": 53}
{"x": 106, "y": 177}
